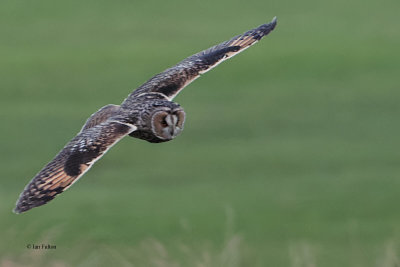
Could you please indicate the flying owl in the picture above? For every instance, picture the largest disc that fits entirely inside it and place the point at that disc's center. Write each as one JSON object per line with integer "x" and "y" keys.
{"x": 148, "y": 113}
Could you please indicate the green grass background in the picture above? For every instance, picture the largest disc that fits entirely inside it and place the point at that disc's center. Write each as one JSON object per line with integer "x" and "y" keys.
{"x": 290, "y": 154}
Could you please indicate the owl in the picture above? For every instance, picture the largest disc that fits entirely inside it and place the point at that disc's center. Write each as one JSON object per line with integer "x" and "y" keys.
{"x": 148, "y": 113}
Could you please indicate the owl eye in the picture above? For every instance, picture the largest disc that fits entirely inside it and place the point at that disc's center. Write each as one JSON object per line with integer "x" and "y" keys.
{"x": 164, "y": 123}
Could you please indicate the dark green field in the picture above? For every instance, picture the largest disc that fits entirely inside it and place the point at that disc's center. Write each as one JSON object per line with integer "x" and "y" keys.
{"x": 290, "y": 154}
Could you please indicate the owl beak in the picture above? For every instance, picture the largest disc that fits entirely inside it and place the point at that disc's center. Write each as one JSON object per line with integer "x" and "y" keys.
{"x": 175, "y": 131}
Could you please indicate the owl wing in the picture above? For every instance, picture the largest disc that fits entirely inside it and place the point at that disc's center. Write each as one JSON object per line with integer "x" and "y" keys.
{"x": 71, "y": 163}
{"x": 173, "y": 80}
{"x": 100, "y": 116}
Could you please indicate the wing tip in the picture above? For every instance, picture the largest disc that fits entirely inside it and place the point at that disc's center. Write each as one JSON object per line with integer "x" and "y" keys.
{"x": 271, "y": 25}
{"x": 16, "y": 211}
{"x": 23, "y": 206}
{"x": 274, "y": 20}
{"x": 25, "y": 203}
{"x": 264, "y": 29}
{"x": 19, "y": 210}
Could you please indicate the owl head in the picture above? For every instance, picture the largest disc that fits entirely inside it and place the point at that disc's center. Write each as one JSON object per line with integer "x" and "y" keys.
{"x": 167, "y": 122}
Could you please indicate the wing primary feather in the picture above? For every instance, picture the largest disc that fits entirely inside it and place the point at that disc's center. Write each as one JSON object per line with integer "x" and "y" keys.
{"x": 74, "y": 160}
{"x": 171, "y": 81}
{"x": 101, "y": 131}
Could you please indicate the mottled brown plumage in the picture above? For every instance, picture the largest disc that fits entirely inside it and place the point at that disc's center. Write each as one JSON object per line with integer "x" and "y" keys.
{"x": 147, "y": 113}
{"x": 71, "y": 163}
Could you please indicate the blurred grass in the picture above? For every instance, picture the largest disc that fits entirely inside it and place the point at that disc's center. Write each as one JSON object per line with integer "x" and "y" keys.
{"x": 297, "y": 137}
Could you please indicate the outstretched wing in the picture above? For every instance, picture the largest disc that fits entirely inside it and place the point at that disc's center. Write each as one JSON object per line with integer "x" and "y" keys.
{"x": 100, "y": 116}
{"x": 173, "y": 80}
{"x": 71, "y": 163}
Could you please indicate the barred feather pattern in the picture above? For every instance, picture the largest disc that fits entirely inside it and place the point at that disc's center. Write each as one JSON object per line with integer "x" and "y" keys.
{"x": 171, "y": 81}
{"x": 71, "y": 163}
{"x": 134, "y": 117}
